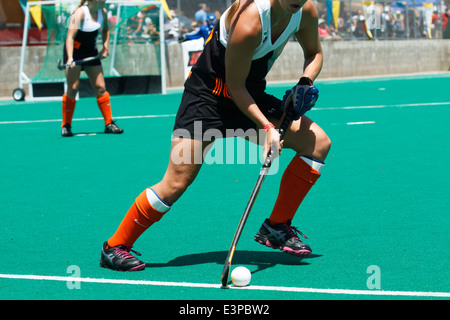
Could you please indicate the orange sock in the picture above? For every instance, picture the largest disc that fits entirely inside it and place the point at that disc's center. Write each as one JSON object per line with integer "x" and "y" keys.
{"x": 146, "y": 210}
{"x": 104, "y": 103}
{"x": 296, "y": 182}
{"x": 68, "y": 107}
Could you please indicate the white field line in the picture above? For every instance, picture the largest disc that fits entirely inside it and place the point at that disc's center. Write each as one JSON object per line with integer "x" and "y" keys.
{"x": 89, "y": 119}
{"x": 360, "y": 122}
{"x": 385, "y": 106}
{"x": 217, "y": 286}
{"x": 173, "y": 115}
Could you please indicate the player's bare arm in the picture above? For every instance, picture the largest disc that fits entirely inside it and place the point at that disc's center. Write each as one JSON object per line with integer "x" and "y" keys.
{"x": 308, "y": 38}
{"x": 75, "y": 22}
{"x": 245, "y": 37}
{"x": 105, "y": 34}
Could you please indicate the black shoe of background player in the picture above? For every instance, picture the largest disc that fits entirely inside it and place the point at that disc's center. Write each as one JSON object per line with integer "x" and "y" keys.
{"x": 66, "y": 130}
{"x": 113, "y": 128}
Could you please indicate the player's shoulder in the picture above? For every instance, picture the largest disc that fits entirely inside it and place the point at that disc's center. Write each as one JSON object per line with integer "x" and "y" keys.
{"x": 309, "y": 10}
{"x": 246, "y": 20}
{"x": 310, "y": 16}
{"x": 78, "y": 13}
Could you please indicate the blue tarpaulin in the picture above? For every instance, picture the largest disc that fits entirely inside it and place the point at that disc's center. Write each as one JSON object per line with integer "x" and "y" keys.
{"x": 412, "y": 3}
{"x": 400, "y": 6}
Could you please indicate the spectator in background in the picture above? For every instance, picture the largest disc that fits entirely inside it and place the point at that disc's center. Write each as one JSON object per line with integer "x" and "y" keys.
{"x": 324, "y": 34}
{"x": 445, "y": 25}
{"x": 175, "y": 28}
{"x": 204, "y": 29}
{"x": 150, "y": 32}
{"x": 386, "y": 22}
{"x": 334, "y": 33}
{"x": 398, "y": 25}
{"x": 136, "y": 24}
{"x": 201, "y": 14}
{"x": 359, "y": 22}
{"x": 445, "y": 17}
{"x": 112, "y": 17}
{"x": 341, "y": 26}
{"x": 348, "y": 26}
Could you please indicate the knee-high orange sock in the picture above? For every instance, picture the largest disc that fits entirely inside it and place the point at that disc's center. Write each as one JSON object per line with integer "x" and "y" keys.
{"x": 68, "y": 107}
{"x": 296, "y": 182}
{"x": 146, "y": 210}
{"x": 104, "y": 103}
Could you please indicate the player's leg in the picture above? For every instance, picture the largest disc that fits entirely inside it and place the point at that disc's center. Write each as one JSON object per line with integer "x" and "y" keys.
{"x": 311, "y": 145}
{"x": 68, "y": 100}
{"x": 152, "y": 204}
{"x": 186, "y": 159}
{"x": 97, "y": 80}
{"x": 308, "y": 139}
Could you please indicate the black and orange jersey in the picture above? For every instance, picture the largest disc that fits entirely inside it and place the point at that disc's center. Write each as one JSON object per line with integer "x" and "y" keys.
{"x": 85, "y": 41}
{"x": 207, "y": 77}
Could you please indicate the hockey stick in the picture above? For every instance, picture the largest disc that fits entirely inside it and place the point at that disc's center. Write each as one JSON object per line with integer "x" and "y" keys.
{"x": 62, "y": 66}
{"x": 263, "y": 173}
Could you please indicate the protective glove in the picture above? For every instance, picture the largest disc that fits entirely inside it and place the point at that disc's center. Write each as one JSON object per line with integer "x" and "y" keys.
{"x": 301, "y": 98}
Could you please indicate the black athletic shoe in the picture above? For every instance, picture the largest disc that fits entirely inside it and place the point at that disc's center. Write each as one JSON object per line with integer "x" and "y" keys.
{"x": 66, "y": 131}
{"x": 283, "y": 237}
{"x": 113, "y": 128}
{"x": 120, "y": 259}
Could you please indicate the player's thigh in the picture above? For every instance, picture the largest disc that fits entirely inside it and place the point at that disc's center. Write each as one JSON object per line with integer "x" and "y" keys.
{"x": 73, "y": 80}
{"x": 96, "y": 78}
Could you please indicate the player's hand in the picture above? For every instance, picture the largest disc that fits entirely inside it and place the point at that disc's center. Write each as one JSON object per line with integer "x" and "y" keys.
{"x": 272, "y": 142}
{"x": 301, "y": 98}
{"x": 104, "y": 53}
{"x": 70, "y": 63}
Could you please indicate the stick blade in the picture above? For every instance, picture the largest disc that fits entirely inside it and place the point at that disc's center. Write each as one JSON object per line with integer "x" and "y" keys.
{"x": 227, "y": 265}
{"x": 60, "y": 65}
{"x": 225, "y": 274}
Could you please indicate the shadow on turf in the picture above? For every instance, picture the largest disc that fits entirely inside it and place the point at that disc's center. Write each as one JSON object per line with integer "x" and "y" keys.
{"x": 262, "y": 259}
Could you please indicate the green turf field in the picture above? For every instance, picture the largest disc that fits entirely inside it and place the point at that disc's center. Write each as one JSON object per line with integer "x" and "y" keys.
{"x": 382, "y": 200}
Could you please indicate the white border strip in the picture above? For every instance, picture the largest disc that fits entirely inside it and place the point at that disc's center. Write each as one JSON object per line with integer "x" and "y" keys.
{"x": 217, "y": 286}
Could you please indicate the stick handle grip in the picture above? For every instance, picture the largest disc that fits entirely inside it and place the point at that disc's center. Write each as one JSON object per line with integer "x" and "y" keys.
{"x": 283, "y": 128}
{"x": 286, "y": 122}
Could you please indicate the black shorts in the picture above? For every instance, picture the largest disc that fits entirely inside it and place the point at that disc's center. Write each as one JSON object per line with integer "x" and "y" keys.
{"x": 196, "y": 115}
